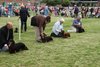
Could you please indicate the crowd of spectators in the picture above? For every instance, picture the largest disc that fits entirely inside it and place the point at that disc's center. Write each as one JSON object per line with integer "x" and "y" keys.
{"x": 69, "y": 11}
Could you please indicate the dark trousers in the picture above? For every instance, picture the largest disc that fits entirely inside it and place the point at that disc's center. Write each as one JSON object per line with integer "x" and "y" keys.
{"x": 23, "y": 26}
{"x": 61, "y": 34}
{"x": 79, "y": 29}
{"x": 76, "y": 14}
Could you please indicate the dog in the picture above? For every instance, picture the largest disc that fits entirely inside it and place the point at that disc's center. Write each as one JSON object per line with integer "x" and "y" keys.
{"x": 16, "y": 47}
{"x": 46, "y": 38}
{"x": 66, "y": 35}
{"x": 16, "y": 30}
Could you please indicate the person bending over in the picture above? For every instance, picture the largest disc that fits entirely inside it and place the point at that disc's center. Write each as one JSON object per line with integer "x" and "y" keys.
{"x": 39, "y": 23}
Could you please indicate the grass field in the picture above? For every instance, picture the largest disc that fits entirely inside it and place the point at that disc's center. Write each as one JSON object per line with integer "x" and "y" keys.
{"x": 80, "y": 50}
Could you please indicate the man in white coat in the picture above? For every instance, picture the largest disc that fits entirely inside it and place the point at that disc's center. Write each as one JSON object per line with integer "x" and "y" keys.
{"x": 57, "y": 30}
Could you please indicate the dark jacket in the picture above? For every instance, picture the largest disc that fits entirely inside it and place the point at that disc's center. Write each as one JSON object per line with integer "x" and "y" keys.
{"x": 5, "y": 35}
{"x": 76, "y": 10}
{"x": 24, "y": 14}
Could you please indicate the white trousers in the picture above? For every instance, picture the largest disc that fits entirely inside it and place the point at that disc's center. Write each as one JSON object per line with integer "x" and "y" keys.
{"x": 73, "y": 29}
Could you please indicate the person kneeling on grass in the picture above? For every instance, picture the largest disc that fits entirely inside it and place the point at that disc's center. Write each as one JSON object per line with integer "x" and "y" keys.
{"x": 6, "y": 34}
{"x": 77, "y": 26}
{"x": 58, "y": 30}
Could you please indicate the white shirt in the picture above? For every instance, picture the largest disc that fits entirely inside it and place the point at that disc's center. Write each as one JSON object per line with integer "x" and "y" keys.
{"x": 57, "y": 28}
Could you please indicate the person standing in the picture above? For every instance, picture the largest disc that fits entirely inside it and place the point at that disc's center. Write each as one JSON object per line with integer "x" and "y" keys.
{"x": 23, "y": 18}
{"x": 46, "y": 11}
{"x": 76, "y": 11}
{"x": 10, "y": 10}
{"x": 91, "y": 10}
{"x": 6, "y": 34}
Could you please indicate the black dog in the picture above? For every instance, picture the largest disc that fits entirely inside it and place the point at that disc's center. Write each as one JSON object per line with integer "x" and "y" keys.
{"x": 16, "y": 47}
{"x": 46, "y": 38}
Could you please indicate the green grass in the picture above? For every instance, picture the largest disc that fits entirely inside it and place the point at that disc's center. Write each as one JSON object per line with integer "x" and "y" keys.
{"x": 80, "y": 50}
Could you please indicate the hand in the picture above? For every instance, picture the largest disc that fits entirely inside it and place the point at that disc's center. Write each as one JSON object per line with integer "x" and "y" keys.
{"x": 42, "y": 35}
{"x": 6, "y": 46}
{"x": 58, "y": 30}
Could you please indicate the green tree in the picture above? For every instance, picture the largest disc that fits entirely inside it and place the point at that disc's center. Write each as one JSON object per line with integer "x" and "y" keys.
{"x": 65, "y": 2}
{"x": 55, "y": 2}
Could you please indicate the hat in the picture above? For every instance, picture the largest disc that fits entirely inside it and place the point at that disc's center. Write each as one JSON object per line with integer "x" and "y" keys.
{"x": 62, "y": 20}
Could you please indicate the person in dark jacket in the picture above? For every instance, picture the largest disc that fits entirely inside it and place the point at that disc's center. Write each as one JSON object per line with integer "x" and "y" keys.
{"x": 6, "y": 34}
{"x": 76, "y": 11}
{"x": 39, "y": 22}
{"x": 23, "y": 17}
